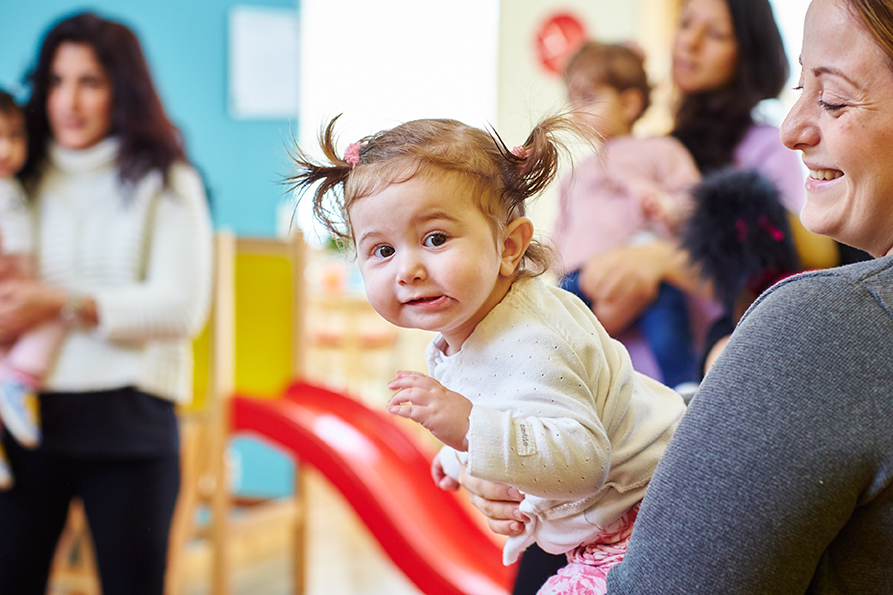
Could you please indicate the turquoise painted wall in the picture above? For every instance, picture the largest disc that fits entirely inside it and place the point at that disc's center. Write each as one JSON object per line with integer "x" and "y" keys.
{"x": 185, "y": 42}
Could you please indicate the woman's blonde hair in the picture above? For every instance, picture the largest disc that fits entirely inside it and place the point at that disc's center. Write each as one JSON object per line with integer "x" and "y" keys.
{"x": 503, "y": 180}
{"x": 877, "y": 18}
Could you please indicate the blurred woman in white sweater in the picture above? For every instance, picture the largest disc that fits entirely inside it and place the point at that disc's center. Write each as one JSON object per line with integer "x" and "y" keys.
{"x": 124, "y": 251}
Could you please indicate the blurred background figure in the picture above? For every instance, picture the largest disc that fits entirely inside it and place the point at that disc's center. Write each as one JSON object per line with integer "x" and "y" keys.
{"x": 124, "y": 244}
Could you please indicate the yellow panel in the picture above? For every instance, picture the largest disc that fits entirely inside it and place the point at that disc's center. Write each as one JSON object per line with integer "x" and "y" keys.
{"x": 201, "y": 356}
{"x": 263, "y": 324}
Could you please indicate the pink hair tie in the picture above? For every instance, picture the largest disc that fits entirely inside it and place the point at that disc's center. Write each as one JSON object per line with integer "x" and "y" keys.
{"x": 773, "y": 231}
{"x": 352, "y": 154}
{"x": 520, "y": 151}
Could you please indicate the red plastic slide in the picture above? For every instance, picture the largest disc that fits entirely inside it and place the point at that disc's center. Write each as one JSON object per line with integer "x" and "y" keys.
{"x": 386, "y": 478}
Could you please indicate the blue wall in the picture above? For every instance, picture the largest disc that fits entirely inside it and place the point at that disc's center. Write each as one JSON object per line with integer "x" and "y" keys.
{"x": 185, "y": 42}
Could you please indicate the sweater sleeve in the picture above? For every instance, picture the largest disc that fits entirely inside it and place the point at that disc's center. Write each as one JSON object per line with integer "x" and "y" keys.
{"x": 539, "y": 402}
{"x": 173, "y": 298}
{"x": 779, "y": 454}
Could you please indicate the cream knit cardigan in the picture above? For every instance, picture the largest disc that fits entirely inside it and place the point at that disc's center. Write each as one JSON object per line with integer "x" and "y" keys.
{"x": 143, "y": 252}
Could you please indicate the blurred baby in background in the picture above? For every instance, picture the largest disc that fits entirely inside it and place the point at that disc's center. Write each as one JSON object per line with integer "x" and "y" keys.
{"x": 633, "y": 190}
{"x": 27, "y": 361}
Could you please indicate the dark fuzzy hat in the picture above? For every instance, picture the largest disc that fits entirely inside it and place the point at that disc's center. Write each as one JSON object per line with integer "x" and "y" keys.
{"x": 739, "y": 234}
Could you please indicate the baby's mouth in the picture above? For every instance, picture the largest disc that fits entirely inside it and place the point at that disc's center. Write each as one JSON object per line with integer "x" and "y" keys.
{"x": 423, "y": 300}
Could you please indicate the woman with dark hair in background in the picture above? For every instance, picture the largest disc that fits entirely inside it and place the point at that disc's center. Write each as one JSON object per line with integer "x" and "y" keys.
{"x": 124, "y": 245}
{"x": 727, "y": 57}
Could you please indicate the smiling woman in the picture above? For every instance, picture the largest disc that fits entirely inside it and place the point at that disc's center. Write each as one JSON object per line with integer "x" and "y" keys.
{"x": 843, "y": 125}
{"x": 778, "y": 478}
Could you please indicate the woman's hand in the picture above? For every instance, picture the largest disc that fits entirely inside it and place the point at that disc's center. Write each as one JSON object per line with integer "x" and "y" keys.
{"x": 26, "y": 303}
{"x": 623, "y": 282}
{"x": 498, "y": 501}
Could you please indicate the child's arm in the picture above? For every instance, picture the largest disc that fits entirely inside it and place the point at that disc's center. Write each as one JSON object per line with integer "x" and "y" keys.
{"x": 424, "y": 400}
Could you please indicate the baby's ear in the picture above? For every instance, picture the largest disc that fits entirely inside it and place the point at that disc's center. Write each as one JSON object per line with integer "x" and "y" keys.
{"x": 517, "y": 237}
{"x": 632, "y": 102}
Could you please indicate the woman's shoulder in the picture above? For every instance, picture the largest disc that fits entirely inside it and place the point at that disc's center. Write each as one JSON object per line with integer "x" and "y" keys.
{"x": 826, "y": 301}
{"x": 185, "y": 182}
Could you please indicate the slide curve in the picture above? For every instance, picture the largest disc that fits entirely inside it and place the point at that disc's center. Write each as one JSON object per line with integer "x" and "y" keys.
{"x": 386, "y": 478}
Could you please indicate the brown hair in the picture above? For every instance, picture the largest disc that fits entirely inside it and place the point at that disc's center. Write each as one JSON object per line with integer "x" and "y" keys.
{"x": 615, "y": 65}
{"x": 711, "y": 123}
{"x": 148, "y": 138}
{"x": 877, "y": 18}
{"x": 503, "y": 180}
{"x": 9, "y": 107}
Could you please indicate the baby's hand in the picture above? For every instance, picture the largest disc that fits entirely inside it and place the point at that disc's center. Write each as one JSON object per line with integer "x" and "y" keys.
{"x": 424, "y": 400}
{"x": 442, "y": 479}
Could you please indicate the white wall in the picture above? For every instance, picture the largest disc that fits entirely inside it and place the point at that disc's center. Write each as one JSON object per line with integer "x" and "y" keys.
{"x": 385, "y": 62}
{"x": 389, "y": 61}
{"x": 527, "y": 91}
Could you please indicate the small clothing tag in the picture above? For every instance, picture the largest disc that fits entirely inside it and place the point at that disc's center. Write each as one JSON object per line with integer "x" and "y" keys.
{"x": 526, "y": 445}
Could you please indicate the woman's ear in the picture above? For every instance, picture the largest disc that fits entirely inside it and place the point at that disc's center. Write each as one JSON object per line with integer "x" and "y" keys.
{"x": 517, "y": 237}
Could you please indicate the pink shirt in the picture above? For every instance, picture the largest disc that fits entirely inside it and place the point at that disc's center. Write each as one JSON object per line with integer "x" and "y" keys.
{"x": 761, "y": 149}
{"x": 599, "y": 206}
{"x": 590, "y": 222}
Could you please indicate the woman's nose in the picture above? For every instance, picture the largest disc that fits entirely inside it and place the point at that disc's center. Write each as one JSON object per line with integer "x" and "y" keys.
{"x": 797, "y": 130}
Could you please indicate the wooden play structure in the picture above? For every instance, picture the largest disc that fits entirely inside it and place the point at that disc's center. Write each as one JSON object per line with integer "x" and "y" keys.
{"x": 249, "y": 380}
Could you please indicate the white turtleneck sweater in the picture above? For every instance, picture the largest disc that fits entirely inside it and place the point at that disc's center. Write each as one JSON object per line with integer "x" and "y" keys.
{"x": 143, "y": 252}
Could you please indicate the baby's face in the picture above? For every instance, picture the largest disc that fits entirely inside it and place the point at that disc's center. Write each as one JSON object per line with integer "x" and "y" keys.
{"x": 13, "y": 144}
{"x": 428, "y": 255}
{"x": 598, "y": 109}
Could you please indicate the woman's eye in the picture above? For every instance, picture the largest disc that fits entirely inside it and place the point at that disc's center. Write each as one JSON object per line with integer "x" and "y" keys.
{"x": 383, "y": 251}
{"x": 435, "y": 239}
{"x": 831, "y": 107}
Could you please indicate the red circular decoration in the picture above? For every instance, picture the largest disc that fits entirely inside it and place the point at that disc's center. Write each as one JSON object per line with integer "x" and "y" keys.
{"x": 557, "y": 39}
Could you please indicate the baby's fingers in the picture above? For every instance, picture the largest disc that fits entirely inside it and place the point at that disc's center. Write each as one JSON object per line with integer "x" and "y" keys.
{"x": 400, "y": 407}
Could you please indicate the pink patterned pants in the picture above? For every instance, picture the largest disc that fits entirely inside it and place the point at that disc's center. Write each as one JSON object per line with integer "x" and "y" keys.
{"x": 587, "y": 567}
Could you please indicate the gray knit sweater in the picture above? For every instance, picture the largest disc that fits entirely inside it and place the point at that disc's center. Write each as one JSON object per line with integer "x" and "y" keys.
{"x": 778, "y": 479}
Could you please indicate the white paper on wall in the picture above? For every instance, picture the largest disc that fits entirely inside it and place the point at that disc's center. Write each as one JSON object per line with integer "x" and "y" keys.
{"x": 264, "y": 63}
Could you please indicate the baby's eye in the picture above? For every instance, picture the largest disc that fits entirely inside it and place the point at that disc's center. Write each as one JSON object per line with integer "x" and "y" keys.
{"x": 435, "y": 239}
{"x": 384, "y": 251}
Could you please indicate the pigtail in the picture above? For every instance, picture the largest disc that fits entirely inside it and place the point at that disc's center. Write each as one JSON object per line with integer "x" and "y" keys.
{"x": 330, "y": 177}
{"x": 528, "y": 170}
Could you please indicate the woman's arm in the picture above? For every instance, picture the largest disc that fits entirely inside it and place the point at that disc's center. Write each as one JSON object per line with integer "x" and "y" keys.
{"x": 25, "y": 303}
{"x": 172, "y": 299}
{"x": 777, "y": 477}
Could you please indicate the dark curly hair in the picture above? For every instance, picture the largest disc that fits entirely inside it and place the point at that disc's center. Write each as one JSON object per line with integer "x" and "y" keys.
{"x": 148, "y": 138}
{"x": 712, "y": 123}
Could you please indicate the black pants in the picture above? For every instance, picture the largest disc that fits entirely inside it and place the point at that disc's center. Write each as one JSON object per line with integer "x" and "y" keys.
{"x": 128, "y": 496}
{"x": 535, "y": 568}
